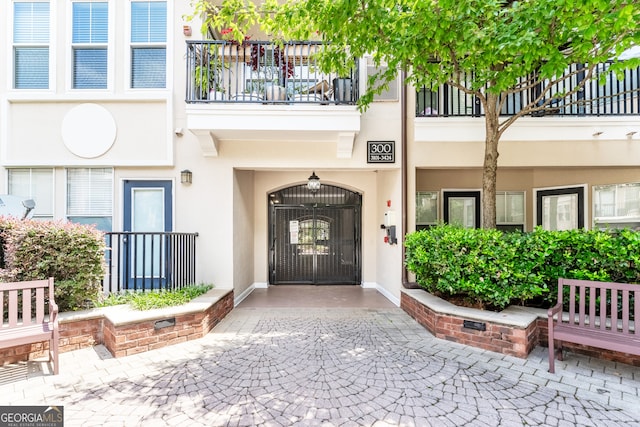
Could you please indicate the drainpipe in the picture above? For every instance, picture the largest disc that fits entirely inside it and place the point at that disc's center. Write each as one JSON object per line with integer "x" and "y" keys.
{"x": 404, "y": 172}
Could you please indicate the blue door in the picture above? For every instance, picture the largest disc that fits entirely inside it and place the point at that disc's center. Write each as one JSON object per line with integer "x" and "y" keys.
{"x": 148, "y": 214}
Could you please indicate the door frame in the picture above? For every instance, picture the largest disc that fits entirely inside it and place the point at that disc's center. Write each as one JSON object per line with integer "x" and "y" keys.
{"x": 129, "y": 248}
{"x": 147, "y": 183}
{"x": 580, "y": 190}
{"x": 476, "y": 194}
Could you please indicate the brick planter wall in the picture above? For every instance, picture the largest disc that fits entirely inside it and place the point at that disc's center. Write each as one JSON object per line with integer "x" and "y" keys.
{"x": 123, "y": 337}
{"x": 516, "y": 337}
{"x": 499, "y": 336}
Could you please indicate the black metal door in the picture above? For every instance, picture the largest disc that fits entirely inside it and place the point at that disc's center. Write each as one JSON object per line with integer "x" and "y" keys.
{"x": 315, "y": 242}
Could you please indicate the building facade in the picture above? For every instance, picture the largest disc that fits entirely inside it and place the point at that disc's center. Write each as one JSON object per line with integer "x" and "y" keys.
{"x": 119, "y": 114}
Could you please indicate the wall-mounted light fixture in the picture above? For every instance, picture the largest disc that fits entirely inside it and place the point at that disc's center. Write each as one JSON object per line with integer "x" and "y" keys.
{"x": 631, "y": 133}
{"x": 597, "y": 132}
{"x": 186, "y": 30}
{"x": 314, "y": 182}
{"x": 186, "y": 177}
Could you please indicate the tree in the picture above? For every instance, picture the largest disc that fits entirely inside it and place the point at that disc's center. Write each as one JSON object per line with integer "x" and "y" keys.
{"x": 489, "y": 49}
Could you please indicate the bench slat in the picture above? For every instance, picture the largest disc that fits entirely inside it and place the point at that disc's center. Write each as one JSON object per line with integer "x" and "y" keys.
{"x": 13, "y": 308}
{"x": 624, "y": 344}
{"x": 25, "y": 335}
{"x": 26, "y": 306}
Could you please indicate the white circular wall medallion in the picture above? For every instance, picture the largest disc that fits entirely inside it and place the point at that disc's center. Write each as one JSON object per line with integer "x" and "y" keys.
{"x": 88, "y": 130}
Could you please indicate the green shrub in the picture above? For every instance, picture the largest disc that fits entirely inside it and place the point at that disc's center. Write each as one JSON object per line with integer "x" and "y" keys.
{"x": 496, "y": 269}
{"x": 72, "y": 254}
{"x": 147, "y": 300}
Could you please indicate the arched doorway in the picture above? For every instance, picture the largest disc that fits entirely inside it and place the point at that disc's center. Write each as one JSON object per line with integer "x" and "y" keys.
{"x": 314, "y": 238}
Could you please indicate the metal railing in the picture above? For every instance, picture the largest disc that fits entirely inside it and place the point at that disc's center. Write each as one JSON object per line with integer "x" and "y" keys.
{"x": 149, "y": 260}
{"x": 220, "y": 71}
{"x": 618, "y": 96}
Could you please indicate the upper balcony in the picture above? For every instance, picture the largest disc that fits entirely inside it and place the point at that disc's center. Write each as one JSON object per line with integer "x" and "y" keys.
{"x": 261, "y": 90}
{"x": 618, "y": 96}
{"x": 606, "y": 111}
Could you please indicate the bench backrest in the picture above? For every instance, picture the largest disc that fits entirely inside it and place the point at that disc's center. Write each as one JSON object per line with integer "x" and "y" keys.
{"x": 17, "y": 300}
{"x": 607, "y": 306}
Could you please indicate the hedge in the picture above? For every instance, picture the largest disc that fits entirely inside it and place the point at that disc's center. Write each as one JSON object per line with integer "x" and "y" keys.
{"x": 72, "y": 254}
{"x": 495, "y": 269}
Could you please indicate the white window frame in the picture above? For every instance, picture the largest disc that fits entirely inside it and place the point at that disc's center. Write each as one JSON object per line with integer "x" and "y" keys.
{"x": 128, "y": 61}
{"x": 109, "y": 46}
{"x": 50, "y": 45}
{"x": 612, "y": 221}
{"x": 37, "y": 212}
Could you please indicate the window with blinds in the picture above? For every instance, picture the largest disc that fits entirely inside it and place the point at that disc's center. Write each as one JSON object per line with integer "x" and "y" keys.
{"x": 90, "y": 196}
{"x": 36, "y": 184}
{"x": 31, "y": 45}
{"x": 89, "y": 45}
{"x": 148, "y": 44}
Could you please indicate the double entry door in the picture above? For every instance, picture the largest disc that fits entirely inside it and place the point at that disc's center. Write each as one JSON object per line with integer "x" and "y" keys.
{"x": 315, "y": 245}
{"x": 314, "y": 236}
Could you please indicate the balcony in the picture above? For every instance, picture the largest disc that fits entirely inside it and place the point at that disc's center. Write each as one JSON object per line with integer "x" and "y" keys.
{"x": 619, "y": 96}
{"x": 599, "y": 112}
{"x": 263, "y": 91}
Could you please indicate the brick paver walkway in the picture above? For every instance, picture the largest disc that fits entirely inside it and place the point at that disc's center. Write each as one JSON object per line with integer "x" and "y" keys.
{"x": 331, "y": 367}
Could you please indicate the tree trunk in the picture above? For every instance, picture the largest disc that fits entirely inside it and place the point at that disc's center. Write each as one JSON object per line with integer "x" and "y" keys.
{"x": 490, "y": 167}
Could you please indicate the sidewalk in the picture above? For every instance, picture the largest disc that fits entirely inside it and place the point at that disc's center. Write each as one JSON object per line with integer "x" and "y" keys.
{"x": 330, "y": 367}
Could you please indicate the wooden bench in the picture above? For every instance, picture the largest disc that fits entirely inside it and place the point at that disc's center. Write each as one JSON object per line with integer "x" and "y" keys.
{"x": 18, "y": 324}
{"x": 591, "y": 321}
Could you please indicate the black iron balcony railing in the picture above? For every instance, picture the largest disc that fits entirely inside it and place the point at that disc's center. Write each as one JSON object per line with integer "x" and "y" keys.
{"x": 150, "y": 260}
{"x": 221, "y": 71}
{"x": 617, "y": 97}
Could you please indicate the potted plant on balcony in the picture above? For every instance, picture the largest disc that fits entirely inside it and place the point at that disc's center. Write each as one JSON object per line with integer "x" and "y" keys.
{"x": 208, "y": 75}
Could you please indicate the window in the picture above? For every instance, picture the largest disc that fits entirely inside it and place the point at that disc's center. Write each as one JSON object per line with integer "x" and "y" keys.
{"x": 616, "y": 206}
{"x": 148, "y": 44}
{"x": 89, "y": 45}
{"x": 36, "y": 184}
{"x": 560, "y": 208}
{"x": 89, "y": 196}
{"x": 510, "y": 210}
{"x": 461, "y": 208}
{"x": 31, "y": 45}
{"x": 426, "y": 209}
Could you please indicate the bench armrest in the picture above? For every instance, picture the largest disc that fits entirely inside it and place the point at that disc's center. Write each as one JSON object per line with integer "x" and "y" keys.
{"x": 53, "y": 313}
{"x": 554, "y": 310}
